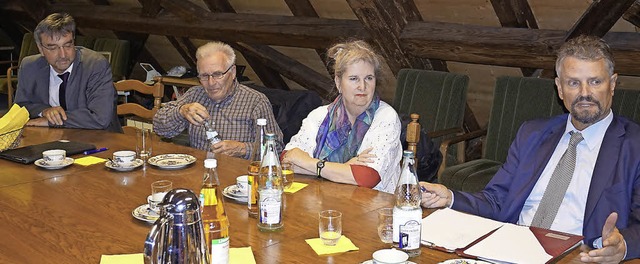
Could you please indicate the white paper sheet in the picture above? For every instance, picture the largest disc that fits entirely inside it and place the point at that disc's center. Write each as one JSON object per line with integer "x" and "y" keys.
{"x": 452, "y": 229}
{"x": 511, "y": 243}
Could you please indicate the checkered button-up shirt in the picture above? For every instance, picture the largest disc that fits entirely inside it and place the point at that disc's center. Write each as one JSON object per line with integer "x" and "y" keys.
{"x": 234, "y": 117}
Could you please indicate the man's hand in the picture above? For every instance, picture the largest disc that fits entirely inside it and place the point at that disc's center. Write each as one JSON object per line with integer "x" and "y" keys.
{"x": 40, "y": 121}
{"x": 55, "y": 115}
{"x": 613, "y": 245}
{"x": 436, "y": 195}
{"x": 230, "y": 147}
{"x": 195, "y": 113}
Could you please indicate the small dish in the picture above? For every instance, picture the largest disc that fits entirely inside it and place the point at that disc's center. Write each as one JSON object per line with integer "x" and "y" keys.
{"x": 43, "y": 164}
{"x": 231, "y": 192}
{"x": 371, "y": 262}
{"x": 172, "y": 161}
{"x": 144, "y": 213}
{"x": 463, "y": 261}
{"x": 135, "y": 164}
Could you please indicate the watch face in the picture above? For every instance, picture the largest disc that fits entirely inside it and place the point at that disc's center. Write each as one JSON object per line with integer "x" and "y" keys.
{"x": 321, "y": 164}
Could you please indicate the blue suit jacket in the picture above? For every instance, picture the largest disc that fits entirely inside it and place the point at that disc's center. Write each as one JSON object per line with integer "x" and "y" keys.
{"x": 90, "y": 94}
{"x": 615, "y": 185}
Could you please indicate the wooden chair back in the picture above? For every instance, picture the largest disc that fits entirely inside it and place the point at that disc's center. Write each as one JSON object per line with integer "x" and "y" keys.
{"x": 157, "y": 90}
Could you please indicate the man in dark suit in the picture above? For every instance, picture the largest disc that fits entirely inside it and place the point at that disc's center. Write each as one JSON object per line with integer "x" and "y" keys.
{"x": 601, "y": 196}
{"x": 65, "y": 85}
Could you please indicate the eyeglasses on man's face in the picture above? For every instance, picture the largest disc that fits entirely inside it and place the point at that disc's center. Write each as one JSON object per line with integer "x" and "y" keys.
{"x": 52, "y": 47}
{"x": 216, "y": 75}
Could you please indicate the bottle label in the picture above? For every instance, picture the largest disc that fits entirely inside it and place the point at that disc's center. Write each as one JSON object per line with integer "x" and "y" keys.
{"x": 270, "y": 205}
{"x": 208, "y": 197}
{"x": 220, "y": 251}
{"x": 407, "y": 227}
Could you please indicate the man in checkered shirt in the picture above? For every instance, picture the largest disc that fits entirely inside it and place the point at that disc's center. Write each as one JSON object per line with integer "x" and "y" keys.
{"x": 233, "y": 107}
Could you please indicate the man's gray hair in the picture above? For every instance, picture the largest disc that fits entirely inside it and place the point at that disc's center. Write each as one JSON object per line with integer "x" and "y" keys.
{"x": 56, "y": 24}
{"x": 216, "y": 46}
{"x": 585, "y": 47}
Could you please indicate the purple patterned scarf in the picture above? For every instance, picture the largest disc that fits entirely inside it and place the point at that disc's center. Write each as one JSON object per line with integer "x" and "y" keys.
{"x": 334, "y": 142}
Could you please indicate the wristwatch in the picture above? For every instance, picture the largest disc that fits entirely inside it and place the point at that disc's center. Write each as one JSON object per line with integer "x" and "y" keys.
{"x": 319, "y": 167}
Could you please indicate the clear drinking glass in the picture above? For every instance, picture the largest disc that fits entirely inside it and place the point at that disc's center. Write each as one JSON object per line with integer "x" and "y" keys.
{"x": 287, "y": 174}
{"x": 330, "y": 227}
{"x": 385, "y": 225}
{"x": 158, "y": 190}
{"x": 144, "y": 143}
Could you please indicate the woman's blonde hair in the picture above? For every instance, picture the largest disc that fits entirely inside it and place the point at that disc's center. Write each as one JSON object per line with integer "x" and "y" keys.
{"x": 342, "y": 55}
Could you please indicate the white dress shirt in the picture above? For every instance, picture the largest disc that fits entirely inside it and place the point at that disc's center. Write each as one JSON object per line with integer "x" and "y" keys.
{"x": 54, "y": 85}
{"x": 571, "y": 212}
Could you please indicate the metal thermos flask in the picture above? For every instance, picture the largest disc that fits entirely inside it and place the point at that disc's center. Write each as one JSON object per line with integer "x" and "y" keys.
{"x": 177, "y": 236}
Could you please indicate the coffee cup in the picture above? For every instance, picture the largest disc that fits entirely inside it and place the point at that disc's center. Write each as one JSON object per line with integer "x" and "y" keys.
{"x": 243, "y": 184}
{"x": 54, "y": 156}
{"x": 124, "y": 157}
{"x": 390, "y": 256}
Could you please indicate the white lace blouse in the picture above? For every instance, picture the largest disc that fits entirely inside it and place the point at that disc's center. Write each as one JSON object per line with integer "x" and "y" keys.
{"x": 383, "y": 136}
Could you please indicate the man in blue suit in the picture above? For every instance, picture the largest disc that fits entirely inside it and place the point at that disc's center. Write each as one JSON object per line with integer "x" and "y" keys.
{"x": 602, "y": 199}
{"x": 65, "y": 85}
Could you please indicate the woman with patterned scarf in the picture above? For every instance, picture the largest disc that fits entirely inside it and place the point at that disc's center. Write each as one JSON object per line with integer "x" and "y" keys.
{"x": 356, "y": 138}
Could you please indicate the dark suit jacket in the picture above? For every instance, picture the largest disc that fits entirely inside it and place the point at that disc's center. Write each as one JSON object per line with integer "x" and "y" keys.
{"x": 90, "y": 94}
{"x": 615, "y": 185}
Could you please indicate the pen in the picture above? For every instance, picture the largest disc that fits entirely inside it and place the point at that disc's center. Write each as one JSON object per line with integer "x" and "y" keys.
{"x": 94, "y": 151}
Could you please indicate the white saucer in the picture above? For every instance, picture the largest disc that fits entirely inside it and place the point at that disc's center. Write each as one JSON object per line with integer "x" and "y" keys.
{"x": 144, "y": 213}
{"x": 371, "y": 262}
{"x": 136, "y": 163}
{"x": 463, "y": 261}
{"x": 43, "y": 164}
{"x": 233, "y": 193}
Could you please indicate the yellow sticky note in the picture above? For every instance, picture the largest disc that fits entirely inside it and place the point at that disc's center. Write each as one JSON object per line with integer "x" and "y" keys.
{"x": 343, "y": 245}
{"x": 296, "y": 186}
{"x": 89, "y": 160}
{"x": 137, "y": 258}
{"x": 242, "y": 255}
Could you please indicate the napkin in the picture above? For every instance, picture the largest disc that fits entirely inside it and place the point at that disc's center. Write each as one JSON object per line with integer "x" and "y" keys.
{"x": 344, "y": 244}
{"x": 242, "y": 255}
{"x": 89, "y": 160}
{"x": 13, "y": 120}
{"x": 137, "y": 258}
{"x": 296, "y": 186}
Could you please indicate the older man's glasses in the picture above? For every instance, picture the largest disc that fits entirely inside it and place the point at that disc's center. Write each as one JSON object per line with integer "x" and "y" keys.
{"x": 216, "y": 75}
{"x": 66, "y": 46}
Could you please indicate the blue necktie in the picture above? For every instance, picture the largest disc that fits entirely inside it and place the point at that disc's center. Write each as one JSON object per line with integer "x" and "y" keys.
{"x": 62, "y": 90}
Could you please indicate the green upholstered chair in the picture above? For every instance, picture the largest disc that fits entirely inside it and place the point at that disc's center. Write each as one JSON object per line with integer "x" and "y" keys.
{"x": 627, "y": 103}
{"x": 438, "y": 97}
{"x": 515, "y": 100}
{"x": 118, "y": 53}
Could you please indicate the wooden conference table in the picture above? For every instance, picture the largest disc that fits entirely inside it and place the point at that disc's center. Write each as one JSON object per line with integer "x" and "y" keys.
{"x": 77, "y": 214}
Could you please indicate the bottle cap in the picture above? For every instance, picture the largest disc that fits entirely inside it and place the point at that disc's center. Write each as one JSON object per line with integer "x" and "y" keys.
{"x": 261, "y": 122}
{"x": 210, "y": 163}
{"x": 270, "y": 136}
{"x": 407, "y": 153}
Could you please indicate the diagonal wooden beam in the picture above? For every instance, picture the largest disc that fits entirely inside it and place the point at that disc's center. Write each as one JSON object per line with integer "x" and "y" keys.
{"x": 181, "y": 47}
{"x": 304, "y": 8}
{"x": 37, "y": 9}
{"x": 515, "y": 14}
{"x": 150, "y": 8}
{"x": 290, "y": 68}
{"x": 385, "y": 20}
{"x": 268, "y": 76}
{"x": 599, "y": 18}
{"x": 633, "y": 14}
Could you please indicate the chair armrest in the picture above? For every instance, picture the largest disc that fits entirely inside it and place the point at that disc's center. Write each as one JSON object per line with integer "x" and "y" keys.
{"x": 444, "y": 132}
{"x": 454, "y": 140}
{"x": 10, "y": 88}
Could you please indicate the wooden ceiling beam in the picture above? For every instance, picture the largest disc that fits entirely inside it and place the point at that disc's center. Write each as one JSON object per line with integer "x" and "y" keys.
{"x": 268, "y": 76}
{"x": 633, "y": 14}
{"x": 150, "y": 8}
{"x": 599, "y": 18}
{"x": 250, "y": 28}
{"x": 513, "y": 47}
{"x": 516, "y": 14}
{"x": 291, "y": 69}
{"x": 180, "y": 45}
{"x": 37, "y": 9}
{"x": 304, "y": 8}
{"x": 385, "y": 20}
